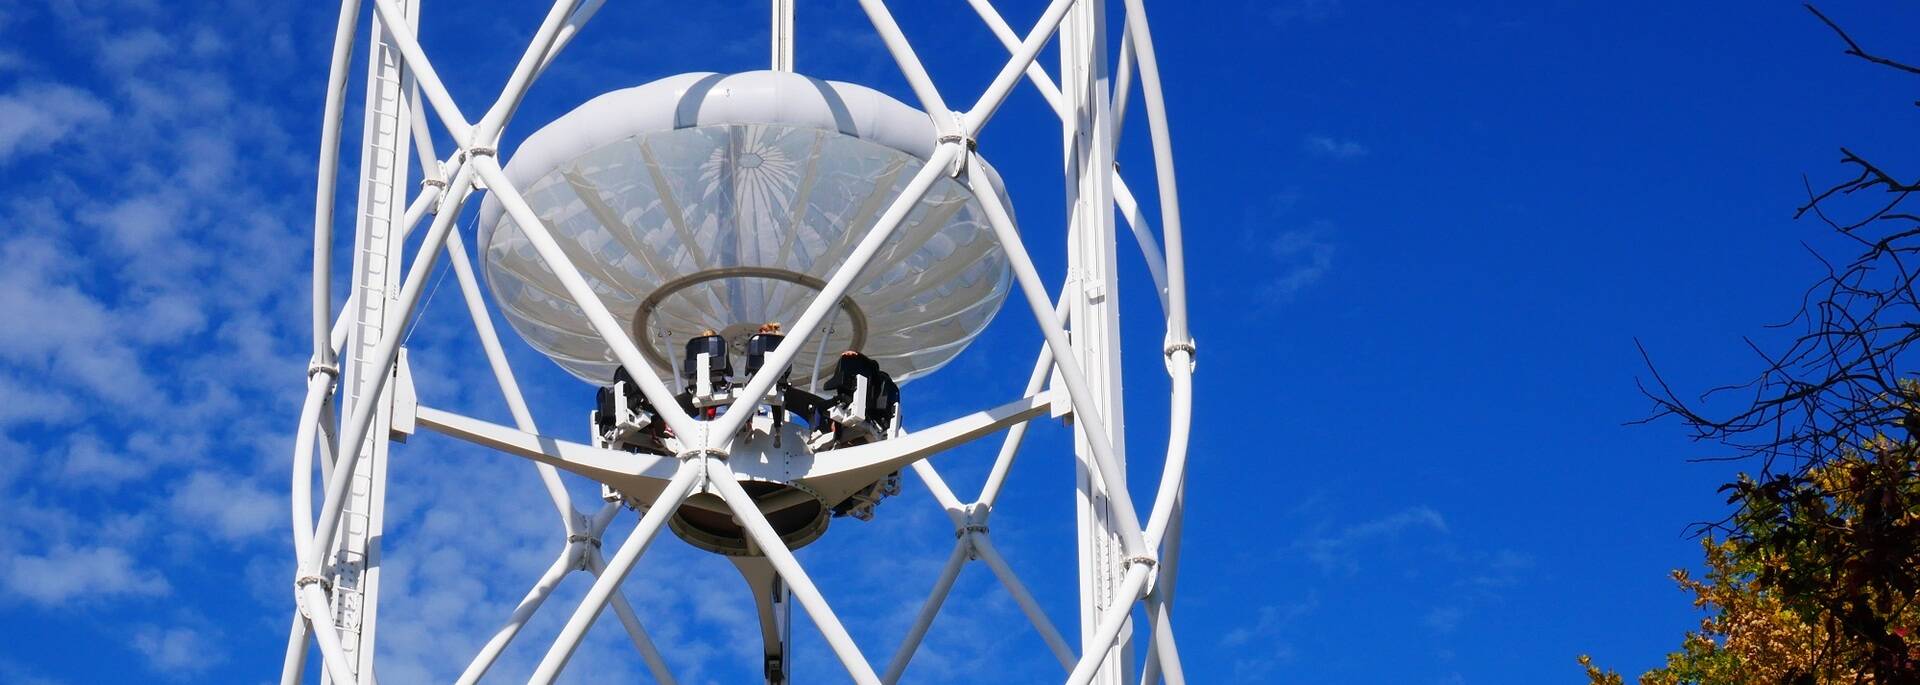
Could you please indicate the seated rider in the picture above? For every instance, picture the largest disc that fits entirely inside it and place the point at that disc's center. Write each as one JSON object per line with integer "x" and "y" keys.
{"x": 762, "y": 344}
{"x": 719, "y": 369}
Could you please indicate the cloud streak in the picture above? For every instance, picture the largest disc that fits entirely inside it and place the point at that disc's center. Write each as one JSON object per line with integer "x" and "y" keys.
{"x": 1300, "y": 259}
{"x": 40, "y": 116}
{"x": 1343, "y": 150}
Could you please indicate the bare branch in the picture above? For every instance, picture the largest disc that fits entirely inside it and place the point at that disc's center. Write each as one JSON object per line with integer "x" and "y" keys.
{"x": 1854, "y": 48}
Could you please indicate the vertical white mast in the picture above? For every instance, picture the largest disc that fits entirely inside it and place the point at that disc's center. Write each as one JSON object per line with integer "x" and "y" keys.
{"x": 378, "y": 240}
{"x": 783, "y": 35}
{"x": 1095, "y": 320}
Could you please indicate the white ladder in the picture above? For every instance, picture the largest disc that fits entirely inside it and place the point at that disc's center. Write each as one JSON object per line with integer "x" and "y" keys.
{"x": 376, "y": 280}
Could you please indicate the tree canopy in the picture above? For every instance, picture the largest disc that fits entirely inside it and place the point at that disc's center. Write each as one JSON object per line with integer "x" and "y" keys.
{"x": 1812, "y": 579}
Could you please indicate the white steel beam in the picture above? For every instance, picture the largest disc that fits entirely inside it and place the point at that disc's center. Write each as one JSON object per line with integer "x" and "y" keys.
{"x": 380, "y": 226}
{"x": 293, "y": 668}
{"x": 689, "y": 474}
{"x": 942, "y": 493}
{"x": 1108, "y": 630}
{"x": 1163, "y": 661}
{"x": 313, "y": 598}
{"x": 996, "y": 93}
{"x": 1122, "y": 196}
{"x": 782, "y": 35}
{"x": 1010, "y": 448}
{"x": 537, "y": 595}
{"x": 928, "y": 611}
{"x": 574, "y": 23}
{"x": 649, "y": 653}
{"x": 1092, "y": 294}
{"x": 613, "y": 467}
{"x": 610, "y": 330}
{"x": 1141, "y": 38}
{"x": 841, "y": 471}
{"x": 910, "y": 66}
{"x": 1122, "y": 83}
{"x": 503, "y": 373}
{"x": 721, "y": 479}
{"x": 1035, "y": 72}
{"x": 524, "y": 72}
{"x": 384, "y": 354}
{"x": 1069, "y": 369}
{"x": 828, "y": 298}
{"x": 984, "y": 549}
{"x": 328, "y": 177}
{"x": 1089, "y": 376}
{"x": 424, "y": 74}
{"x": 313, "y": 607}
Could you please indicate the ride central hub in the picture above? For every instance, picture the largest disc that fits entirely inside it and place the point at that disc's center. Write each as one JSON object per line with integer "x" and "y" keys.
{"x": 789, "y": 427}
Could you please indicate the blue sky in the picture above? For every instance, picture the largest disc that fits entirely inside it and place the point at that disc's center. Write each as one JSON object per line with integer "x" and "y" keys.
{"x": 1423, "y": 239}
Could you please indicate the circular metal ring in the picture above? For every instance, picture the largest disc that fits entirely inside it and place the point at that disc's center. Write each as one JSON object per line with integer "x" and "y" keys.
{"x": 650, "y": 347}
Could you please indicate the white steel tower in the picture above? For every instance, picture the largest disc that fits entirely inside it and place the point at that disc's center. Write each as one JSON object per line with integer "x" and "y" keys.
{"x": 834, "y": 241}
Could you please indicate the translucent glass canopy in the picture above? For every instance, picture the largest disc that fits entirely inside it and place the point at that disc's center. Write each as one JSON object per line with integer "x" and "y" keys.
{"x": 725, "y": 202}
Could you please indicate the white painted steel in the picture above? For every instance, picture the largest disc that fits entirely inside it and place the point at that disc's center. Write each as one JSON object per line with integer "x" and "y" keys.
{"x": 575, "y": 22}
{"x": 1164, "y": 659}
{"x": 1009, "y": 75}
{"x": 782, "y": 35}
{"x": 293, "y": 668}
{"x": 1163, "y": 593}
{"x": 328, "y": 176}
{"x": 1108, "y": 629}
{"x": 928, "y": 611}
{"x": 503, "y": 373}
{"x": 424, "y": 74}
{"x": 1069, "y": 370}
{"x": 1092, "y": 293}
{"x": 1010, "y": 447}
{"x": 522, "y": 612}
{"x": 910, "y": 66}
{"x": 384, "y": 354}
{"x": 721, "y": 479}
{"x": 354, "y": 573}
{"x": 656, "y": 664}
{"x": 684, "y": 479}
{"x": 602, "y": 321}
{"x": 984, "y": 549}
{"x": 835, "y": 288}
{"x": 1090, "y": 107}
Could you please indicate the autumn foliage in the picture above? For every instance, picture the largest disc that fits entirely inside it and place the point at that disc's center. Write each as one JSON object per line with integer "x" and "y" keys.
{"x": 1814, "y": 583}
{"x": 1812, "y": 580}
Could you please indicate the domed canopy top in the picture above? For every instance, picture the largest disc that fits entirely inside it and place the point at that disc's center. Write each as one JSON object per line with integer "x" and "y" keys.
{"x": 710, "y": 201}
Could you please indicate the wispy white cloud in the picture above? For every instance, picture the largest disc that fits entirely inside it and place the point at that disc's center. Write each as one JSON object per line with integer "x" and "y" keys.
{"x": 1444, "y": 619}
{"x": 177, "y": 651}
{"x": 1261, "y": 643}
{"x": 89, "y": 461}
{"x": 38, "y": 116}
{"x": 1339, "y": 550}
{"x": 69, "y": 573}
{"x": 1300, "y": 258}
{"x": 1335, "y": 148}
{"x": 228, "y": 505}
{"x": 27, "y": 406}
{"x": 133, "y": 49}
{"x": 136, "y": 223}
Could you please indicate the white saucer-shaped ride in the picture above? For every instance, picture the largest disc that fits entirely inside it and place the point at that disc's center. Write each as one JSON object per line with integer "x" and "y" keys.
{"x": 724, "y": 202}
{"x": 645, "y": 240}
